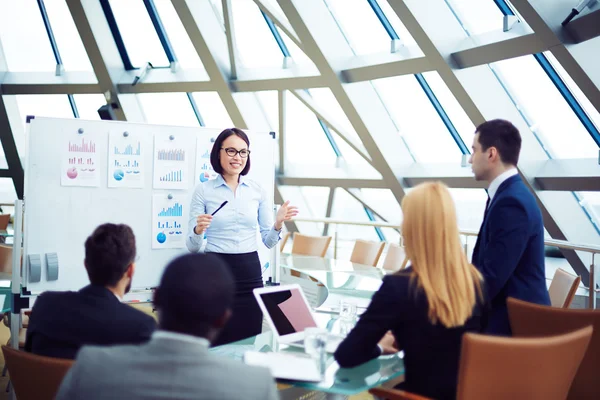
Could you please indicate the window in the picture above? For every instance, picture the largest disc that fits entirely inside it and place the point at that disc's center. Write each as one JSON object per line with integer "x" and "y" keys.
{"x": 551, "y": 118}
{"x": 167, "y": 109}
{"x": 88, "y": 105}
{"x": 423, "y": 130}
{"x": 478, "y": 16}
{"x": 212, "y": 110}
{"x": 397, "y": 25}
{"x": 182, "y": 45}
{"x": 138, "y": 33}
{"x": 70, "y": 46}
{"x": 360, "y": 26}
{"x": 22, "y": 27}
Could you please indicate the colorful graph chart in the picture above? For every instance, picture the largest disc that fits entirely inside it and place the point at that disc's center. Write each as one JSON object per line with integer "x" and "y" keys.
{"x": 84, "y": 147}
{"x": 175, "y": 211}
{"x": 175, "y": 176}
{"x": 167, "y": 225}
{"x": 129, "y": 150}
{"x": 81, "y": 161}
{"x": 171, "y": 155}
{"x": 206, "y": 154}
{"x": 126, "y": 164}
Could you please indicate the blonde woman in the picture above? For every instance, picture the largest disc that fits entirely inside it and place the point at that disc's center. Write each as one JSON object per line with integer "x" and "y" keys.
{"x": 427, "y": 306}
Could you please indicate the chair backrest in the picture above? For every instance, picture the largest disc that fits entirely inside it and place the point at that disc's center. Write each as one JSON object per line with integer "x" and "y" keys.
{"x": 310, "y": 245}
{"x": 394, "y": 259}
{"x": 493, "y": 367}
{"x": 284, "y": 240}
{"x": 5, "y": 258}
{"x": 562, "y": 288}
{"x": 4, "y": 220}
{"x": 533, "y": 320}
{"x": 35, "y": 377}
{"x": 367, "y": 253}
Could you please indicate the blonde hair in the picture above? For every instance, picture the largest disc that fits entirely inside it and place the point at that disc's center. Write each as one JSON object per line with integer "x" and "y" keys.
{"x": 439, "y": 265}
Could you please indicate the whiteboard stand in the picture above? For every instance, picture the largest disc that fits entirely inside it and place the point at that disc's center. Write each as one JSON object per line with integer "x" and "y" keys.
{"x": 16, "y": 302}
{"x": 275, "y": 255}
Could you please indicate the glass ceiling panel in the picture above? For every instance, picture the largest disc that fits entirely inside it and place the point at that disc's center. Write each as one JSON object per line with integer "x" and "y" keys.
{"x": 360, "y": 26}
{"x": 212, "y": 110}
{"x": 398, "y": 26}
{"x": 455, "y": 112}
{"x": 88, "y": 105}
{"x": 138, "y": 33}
{"x": 591, "y": 203}
{"x": 255, "y": 43}
{"x": 305, "y": 141}
{"x": 553, "y": 121}
{"x": 583, "y": 101}
{"x": 70, "y": 46}
{"x": 478, "y": 16}
{"x": 347, "y": 208}
{"x": 182, "y": 45}
{"x": 167, "y": 109}
{"x": 23, "y": 37}
{"x": 418, "y": 122}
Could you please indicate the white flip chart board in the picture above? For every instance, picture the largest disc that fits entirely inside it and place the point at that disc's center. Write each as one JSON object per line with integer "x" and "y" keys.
{"x": 81, "y": 174}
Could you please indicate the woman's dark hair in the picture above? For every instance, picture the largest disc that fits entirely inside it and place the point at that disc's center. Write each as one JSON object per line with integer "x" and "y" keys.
{"x": 215, "y": 154}
{"x": 109, "y": 251}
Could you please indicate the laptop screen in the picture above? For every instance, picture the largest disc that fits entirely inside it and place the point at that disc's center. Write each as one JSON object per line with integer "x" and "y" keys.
{"x": 288, "y": 311}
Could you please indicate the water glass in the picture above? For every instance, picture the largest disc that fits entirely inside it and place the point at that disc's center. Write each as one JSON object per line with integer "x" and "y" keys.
{"x": 347, "y": 310}
{"x": 315, "y": 342}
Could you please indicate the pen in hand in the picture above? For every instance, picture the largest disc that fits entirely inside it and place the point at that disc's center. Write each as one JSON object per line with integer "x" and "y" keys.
{"x": 221, "y": 206}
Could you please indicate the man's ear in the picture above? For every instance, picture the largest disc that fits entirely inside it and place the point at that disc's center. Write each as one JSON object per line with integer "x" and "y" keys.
{"x": 130, "y": 270}
{"x": 222, "y": 320}
{"x": 493, "y": 154}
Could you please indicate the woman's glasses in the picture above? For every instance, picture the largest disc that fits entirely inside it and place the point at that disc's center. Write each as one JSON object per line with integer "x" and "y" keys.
{"x": 231, "y": 152}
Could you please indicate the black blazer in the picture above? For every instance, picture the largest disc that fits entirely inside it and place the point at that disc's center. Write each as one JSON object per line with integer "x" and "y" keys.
{"x": 431, "y": 352}
{"x": 509, "y": 252}
{"x": 62, "y": 322}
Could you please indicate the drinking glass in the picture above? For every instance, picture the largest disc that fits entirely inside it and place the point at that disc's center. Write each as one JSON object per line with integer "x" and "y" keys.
{"x": 347, "y": 310}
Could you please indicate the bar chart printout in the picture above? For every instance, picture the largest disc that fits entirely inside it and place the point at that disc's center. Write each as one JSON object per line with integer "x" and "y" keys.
{"x": 126, "y": 159}
{"x": 173, "y": 155}
{"x": 204, "y": 170}
{"x": 79, "y": 164}
{"x": 169, "y": 225}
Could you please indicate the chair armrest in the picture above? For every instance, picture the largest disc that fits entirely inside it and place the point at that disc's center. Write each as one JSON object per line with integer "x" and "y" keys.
{"x": 395, "y": 394}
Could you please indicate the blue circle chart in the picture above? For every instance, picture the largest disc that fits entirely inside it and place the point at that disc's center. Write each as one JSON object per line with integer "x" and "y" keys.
{"x": 161, "y": 238}
{"x": 118, "y": 175}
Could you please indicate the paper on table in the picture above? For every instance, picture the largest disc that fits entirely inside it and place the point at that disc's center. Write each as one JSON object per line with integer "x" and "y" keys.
{"x": 285, "y": 365}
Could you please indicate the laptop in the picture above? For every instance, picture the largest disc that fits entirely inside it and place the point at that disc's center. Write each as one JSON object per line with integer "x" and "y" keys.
{"x": 288, "y": 314}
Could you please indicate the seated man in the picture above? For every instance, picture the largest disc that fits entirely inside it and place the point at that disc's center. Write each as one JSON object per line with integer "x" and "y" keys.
{"x": 194, "y": 301}
{"x": 62, "y": 322}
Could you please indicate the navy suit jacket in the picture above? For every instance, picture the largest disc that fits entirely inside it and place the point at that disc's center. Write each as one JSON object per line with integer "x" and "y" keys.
{"x": 431, "y": 351}
{"x": 61, "y": 322}
{"x": 510, "y": 252}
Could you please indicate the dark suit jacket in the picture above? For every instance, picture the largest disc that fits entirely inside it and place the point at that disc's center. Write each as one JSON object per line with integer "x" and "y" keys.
{"x": 431, "y": 352}
{"x": 510, "y": 252}
{"x": 62, "y": 322}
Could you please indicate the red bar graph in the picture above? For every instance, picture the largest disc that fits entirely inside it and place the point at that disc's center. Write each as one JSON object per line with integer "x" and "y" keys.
{"x": 84, "y": 147}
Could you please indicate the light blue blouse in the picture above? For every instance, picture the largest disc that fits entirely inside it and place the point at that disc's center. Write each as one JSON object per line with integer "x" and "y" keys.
{"x": 233, "y": 228}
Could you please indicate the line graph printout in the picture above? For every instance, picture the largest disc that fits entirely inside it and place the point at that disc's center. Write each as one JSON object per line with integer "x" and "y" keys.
{"x": 79, "y": 166}
{"x": 172, "y": 160}
{"x": 125, "y": 160}
{"x": 169, "y": 221}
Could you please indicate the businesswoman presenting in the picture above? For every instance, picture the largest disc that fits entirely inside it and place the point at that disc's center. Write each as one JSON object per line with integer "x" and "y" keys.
{"x": 231, "y": 228}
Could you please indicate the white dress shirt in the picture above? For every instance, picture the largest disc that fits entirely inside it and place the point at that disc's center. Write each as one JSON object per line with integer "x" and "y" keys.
{"x": 495, "y": 184}
{"x": 233, "y": 229}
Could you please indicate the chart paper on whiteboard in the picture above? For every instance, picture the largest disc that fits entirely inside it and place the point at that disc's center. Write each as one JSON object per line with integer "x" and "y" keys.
{"x": 125, "y": 160}
{"x": 79, "y": 165}
{"x": 169, "y": 221}
{"x": 171, "y": 160}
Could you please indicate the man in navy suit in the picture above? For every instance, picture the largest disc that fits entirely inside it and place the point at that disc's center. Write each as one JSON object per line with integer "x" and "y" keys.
{"x": 510, "y": 247}
{"x": 62, "y": 322}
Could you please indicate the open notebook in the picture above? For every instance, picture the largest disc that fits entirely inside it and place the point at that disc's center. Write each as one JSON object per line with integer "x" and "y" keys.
{"x": 297, "y": 367}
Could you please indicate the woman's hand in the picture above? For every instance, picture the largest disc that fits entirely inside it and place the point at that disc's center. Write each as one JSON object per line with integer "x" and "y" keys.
{"x": 202, "y": 223}
{"x": 285, "y": 213}
{"x": 388, "y": 343}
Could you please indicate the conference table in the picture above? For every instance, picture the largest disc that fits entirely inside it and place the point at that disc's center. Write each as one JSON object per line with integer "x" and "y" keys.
{"x": 342, "y": 279}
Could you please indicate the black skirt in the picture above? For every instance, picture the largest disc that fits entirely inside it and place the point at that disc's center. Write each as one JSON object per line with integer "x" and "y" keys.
{"x": 246, "y": 318}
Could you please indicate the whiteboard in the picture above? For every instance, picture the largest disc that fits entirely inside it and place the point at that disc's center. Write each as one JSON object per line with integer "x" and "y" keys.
{"x": 59, "y": 218}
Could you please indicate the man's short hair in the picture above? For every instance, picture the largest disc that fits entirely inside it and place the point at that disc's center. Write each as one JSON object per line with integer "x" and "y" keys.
{"x": 109, "y": 250}
{"x": 194, "y": 292}
{"x": 502, "y": 135}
